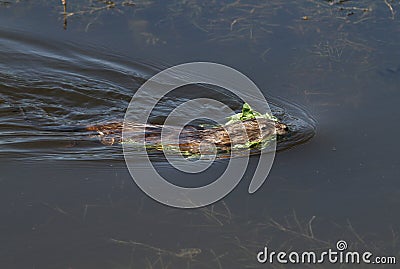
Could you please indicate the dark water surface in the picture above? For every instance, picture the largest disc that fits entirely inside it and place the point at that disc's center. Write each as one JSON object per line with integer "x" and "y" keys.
{"x": 69, "y": 202}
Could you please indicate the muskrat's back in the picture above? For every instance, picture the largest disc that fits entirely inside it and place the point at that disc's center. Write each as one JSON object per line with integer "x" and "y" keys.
{"x": 190, "y": 137}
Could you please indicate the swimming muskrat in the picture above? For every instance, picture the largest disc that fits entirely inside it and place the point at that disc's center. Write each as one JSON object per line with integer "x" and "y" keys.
{"x": 193, "y": 139}
{"x": 190, "y": 136}
{"x": 246, "y": 130}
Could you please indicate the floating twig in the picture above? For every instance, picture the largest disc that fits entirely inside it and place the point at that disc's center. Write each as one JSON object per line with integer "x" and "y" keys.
{"x": 390, "y": 8}
{"x": 64, "y": 3}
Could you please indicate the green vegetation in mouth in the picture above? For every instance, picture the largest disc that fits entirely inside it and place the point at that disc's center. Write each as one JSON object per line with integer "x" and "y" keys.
{"x": 249, "y": 114}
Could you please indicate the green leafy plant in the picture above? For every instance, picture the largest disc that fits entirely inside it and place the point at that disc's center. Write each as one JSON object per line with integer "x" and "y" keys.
{"x": 248, "y": 114}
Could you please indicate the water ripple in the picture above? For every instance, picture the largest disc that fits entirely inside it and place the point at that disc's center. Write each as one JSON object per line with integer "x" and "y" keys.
{"x": 48, "y": 87}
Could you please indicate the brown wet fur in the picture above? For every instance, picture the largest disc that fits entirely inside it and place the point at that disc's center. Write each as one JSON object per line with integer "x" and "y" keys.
{"x": 191, "y": 139}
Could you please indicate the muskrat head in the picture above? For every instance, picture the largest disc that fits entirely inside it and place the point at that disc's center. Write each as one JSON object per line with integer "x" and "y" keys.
{"x": 257, "y": 129}
{"x": 244, "y": 133}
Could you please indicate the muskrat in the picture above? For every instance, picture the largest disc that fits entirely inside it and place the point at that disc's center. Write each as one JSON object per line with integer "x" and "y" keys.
{"x": 192, "y": 139}
{"x": 246, "y": 130}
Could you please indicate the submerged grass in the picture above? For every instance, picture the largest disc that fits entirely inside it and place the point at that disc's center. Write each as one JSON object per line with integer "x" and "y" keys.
{"x": 211, "y": 237}
{"x": 331, "y": 27}
{"x": 233, "y": 20}
{"x": 240, "y": 240}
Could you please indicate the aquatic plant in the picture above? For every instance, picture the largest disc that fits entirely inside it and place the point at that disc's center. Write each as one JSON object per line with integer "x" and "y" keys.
{"x": 249, "y": 114}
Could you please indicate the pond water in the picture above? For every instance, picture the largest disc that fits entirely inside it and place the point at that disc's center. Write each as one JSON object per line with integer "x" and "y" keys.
{"x": 69, "y": 202}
